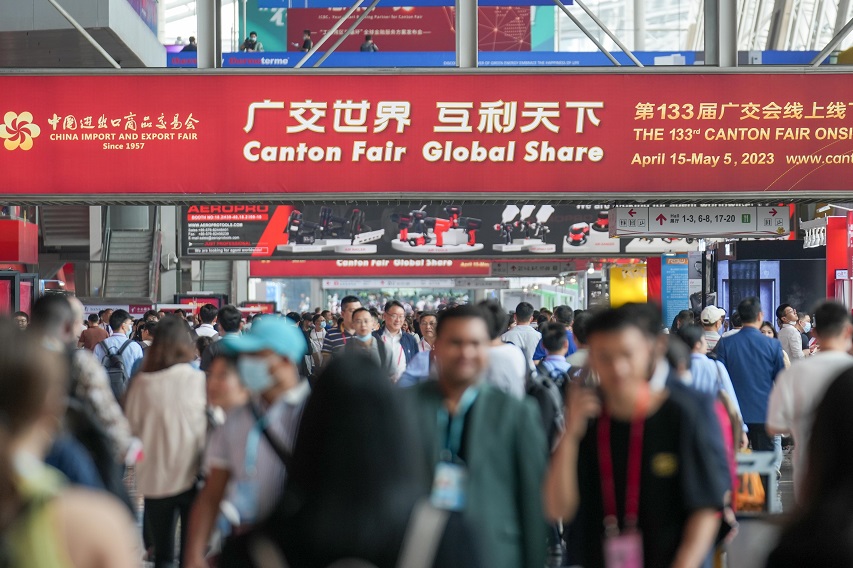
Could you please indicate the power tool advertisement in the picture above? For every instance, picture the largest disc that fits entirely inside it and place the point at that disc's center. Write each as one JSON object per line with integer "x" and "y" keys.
{"x": 407, "y": 230}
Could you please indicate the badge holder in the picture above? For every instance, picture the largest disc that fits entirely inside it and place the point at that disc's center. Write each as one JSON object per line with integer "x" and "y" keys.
{"x": 622, "y": 550}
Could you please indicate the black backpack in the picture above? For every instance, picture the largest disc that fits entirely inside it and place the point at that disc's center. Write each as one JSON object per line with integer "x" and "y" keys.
{"x": 114, "y": 364}
{"x": 548, "y": 396}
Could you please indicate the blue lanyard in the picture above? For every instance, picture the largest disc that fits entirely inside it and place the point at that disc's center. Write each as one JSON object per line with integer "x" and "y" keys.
{"x": 253, "y": 442}
{"x": 453, "y": 435}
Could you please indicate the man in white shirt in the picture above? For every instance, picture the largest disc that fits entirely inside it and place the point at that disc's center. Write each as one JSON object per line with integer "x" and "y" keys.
{"x": 798, "y": 390}
{"x": 523, "y": 335}
{"x": 402, "y": 346}
{"x": 789, "y": 335}
{"x": 712, "y": 321}
{"x": 207, "y": 315}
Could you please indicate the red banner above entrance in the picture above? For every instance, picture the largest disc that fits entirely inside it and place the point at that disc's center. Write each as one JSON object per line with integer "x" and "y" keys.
{"x": 416, "y": 135}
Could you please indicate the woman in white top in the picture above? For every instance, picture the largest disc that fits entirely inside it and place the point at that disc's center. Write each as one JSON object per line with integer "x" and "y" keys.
{"x": 317, "y": 336}
{"x": 166, "y": 410}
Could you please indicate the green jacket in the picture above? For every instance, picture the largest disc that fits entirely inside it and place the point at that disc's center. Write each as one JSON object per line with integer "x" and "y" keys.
{"x": 506, "y": 458}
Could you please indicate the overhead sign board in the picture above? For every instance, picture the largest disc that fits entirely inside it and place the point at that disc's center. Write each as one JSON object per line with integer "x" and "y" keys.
{"x": 387, "y": 234}
{"x": 398, "y": 3}
{"x": 699, "y": 222}
{"x": 453, "y": 135}
{"x": 364, "y": 283}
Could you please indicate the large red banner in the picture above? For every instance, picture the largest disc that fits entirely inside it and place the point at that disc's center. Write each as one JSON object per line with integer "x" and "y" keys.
{"x": 365, "y": 268}
{"x": 414, "y": 135}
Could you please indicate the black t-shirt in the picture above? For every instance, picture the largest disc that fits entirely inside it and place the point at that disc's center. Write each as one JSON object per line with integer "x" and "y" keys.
{"x": 676, "y": 480}
{"x": 307, "y": 45}
{"x": 806, "y": 339}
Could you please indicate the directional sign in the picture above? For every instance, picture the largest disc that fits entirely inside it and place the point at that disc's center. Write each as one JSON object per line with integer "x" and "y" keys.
{"x": 699, "y": 222}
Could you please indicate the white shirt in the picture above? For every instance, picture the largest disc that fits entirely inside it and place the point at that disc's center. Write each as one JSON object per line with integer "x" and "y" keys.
{"x": 792, "y": 342}
{"x": 317, "y": 338}
{"x": 206, "y": 330}
{"x": 166, "y": 411}
{"x": 525, "y": 338}
{"x": 795, "y": 396}
{"x": 507, "y": 370}
{"x": 227, "y": 450}
{"x": 395, "y": 351}
{"x": 423, "y": 345}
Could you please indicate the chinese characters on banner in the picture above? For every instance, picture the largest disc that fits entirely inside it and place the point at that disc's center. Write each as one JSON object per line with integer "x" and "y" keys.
{"x": 403, "y": 136}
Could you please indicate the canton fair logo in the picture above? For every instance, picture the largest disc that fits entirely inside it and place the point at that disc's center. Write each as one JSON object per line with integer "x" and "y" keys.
{"x": 18, "y": 131}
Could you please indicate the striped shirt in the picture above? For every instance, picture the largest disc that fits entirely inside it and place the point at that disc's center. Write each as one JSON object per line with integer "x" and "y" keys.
{"x": 228, "y": 448}
{"x": 335, "y": 340}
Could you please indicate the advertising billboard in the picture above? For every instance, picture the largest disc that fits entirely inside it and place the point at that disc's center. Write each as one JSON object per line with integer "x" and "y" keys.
{"x": 501, "y": 28}
{"x": 413, "y": 230}
{"x": 398, "y": 136}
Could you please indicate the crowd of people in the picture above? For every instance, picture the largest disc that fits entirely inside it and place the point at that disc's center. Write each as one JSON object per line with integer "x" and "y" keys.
{"x": 467, "y": 436}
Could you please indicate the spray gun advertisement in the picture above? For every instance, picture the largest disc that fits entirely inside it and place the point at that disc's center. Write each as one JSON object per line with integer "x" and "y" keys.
{"x": 414, "y": 229}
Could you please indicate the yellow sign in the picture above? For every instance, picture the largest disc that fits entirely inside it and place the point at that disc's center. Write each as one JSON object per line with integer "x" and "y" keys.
{"x": 628, "y": 284}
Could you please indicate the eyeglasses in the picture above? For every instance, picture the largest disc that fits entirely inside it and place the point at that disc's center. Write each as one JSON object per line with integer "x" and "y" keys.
{"x": 395, "y": 317}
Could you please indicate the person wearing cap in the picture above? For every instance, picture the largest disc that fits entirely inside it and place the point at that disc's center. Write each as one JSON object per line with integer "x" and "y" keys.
{"x": 241, "y": 452}
{"x": 712, "y": 321}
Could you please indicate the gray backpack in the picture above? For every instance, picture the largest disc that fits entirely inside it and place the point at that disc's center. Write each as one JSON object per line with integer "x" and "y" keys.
{"x": 116, "y": 371}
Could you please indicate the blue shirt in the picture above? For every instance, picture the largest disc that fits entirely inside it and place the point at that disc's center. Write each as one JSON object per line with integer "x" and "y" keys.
{"x": 131, "y": 355}
{"x": 753, "y": 361}
{"x": 710, "y": 377}
{"x": 540, "y": 352}
{"x": 556, "y": 363}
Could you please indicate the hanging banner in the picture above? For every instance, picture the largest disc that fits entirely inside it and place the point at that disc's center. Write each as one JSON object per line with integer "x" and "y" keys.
{"x": 475, "y": 136}
{"x": 675, "y": 290}
{"x": 406, "y": 230}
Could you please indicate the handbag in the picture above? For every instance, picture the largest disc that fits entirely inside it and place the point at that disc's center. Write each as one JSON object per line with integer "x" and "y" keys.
{"x": 750, "y": 494}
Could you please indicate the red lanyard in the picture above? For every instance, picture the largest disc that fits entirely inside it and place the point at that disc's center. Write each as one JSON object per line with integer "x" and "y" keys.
{"x": 400, "y": 355}
{"x": 635, "y": 463}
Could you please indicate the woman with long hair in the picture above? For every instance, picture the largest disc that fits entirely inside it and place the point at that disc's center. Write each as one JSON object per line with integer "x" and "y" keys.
{"x": 821, "y": 531}
{"x": 354, "y": 482}
{"x": 42, "y": 523}
{"x": 166, "y": 408}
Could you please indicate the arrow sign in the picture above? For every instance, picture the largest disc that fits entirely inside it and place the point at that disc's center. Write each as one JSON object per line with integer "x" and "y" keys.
{"x": 773, "y": 212}
{"x": 660, "y": 219}
{"x": 632, "y": 213}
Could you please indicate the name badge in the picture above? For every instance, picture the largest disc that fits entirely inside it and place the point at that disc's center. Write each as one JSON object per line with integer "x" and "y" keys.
{"x": 448, "y": 487}
{"x": 624, "y": 551}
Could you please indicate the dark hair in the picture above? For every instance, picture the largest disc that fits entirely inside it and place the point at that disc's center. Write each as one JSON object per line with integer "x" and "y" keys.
{"x": 353, "y": 470}
{"x": 253, "y": 33}
{"x": 317, "y": 317}
{"x": 172, "y": 345}
{"x": 683, "y": 317}
{"x": 690, "y": 335}
{"x": 393, "y": 304}
{"x": 770, "y": 325}
{"x": 208, "y": 313}
{"x": 564, "y": 315}
{"x": 523, "y": 312}
{"x": 780, "y": 311}
{"x": 101, "y": 313}
{"x": 118, "y": 318}
{"x": 459, "y": 312}
{"x": 358, "y": 311}
{"x": 368, "y": 37}
{"x": 229, "y": 318}
{"x": 495, "y": 317}
{"x": 580, "y": 326}
{"x": 150, "y": 327}
{"x": 749, "y": 309}
{"x": 735, "y": 319}
{"x": 348, "y": 300}
{"x": 643, "y": 317}
{"x": 202, "y": 343}
{"x": 427, "y": 314}
{"x": 24, "y": 314}
{"x": 829, "y": 471}
{"x": 306, "y": 32}
{"x": 180, "y": 312}
{"x": 93, "y": 318}
{"x": 831, "y": 318}
{"x": 51, "y": 313}
{"x": 554, "y": 337}
{"x": 150, "y": 314}
{"x": 678, "y": 354}
{"x": 28, "y": 374}
{"x": 541, "y": 321}
{"x": 294, "y": 317}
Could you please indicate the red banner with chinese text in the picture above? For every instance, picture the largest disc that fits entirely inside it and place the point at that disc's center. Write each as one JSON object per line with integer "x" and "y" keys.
{"x": 364, "y": 268}
{"x": 415, "y": 135}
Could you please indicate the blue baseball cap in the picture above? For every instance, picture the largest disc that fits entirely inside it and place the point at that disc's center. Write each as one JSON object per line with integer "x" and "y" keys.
{"x": 279, "y": 335}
